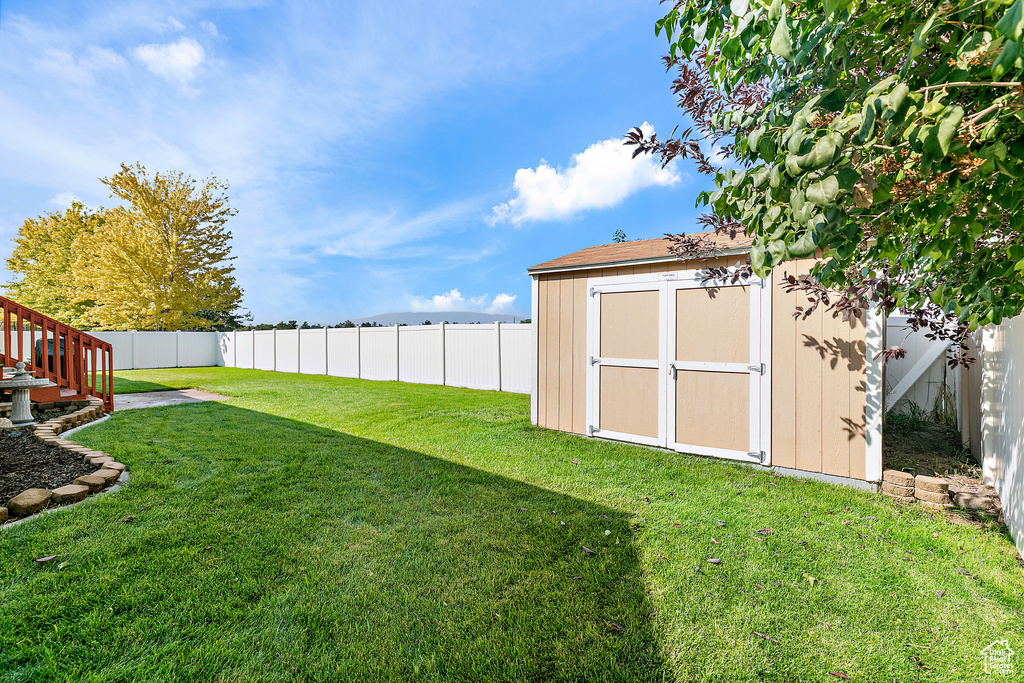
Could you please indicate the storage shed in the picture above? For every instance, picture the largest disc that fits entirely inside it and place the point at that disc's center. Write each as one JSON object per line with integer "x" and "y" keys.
{"x": 634, "y": 344}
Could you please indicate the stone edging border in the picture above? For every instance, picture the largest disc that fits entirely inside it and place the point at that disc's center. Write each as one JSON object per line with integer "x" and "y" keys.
{"x": 108, "y": 472}
{"x": 935, "y": 493}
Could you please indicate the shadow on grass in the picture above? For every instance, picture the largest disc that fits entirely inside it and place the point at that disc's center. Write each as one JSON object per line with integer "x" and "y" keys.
{"x": 132, "y": 386}
{"x": 249, "y": 545}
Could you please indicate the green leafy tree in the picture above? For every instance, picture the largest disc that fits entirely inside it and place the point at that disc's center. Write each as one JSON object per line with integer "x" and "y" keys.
{"x": 161, "y": 261}
{"x": 221, "y": 321}
{"x": 42, "y": 260}
{"x": 886, "y": 134}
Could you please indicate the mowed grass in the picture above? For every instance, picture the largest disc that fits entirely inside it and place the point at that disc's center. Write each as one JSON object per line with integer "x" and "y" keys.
{"x": 316, "y": 528}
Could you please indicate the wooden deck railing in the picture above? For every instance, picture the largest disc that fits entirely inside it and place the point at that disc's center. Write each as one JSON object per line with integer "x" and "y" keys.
{"x": 69, "y": 358}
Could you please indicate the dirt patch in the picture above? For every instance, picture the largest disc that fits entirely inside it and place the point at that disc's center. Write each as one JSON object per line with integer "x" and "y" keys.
{"x": 926, "y": 448}
{"x": 26, "y": 463}
{"x": 935, "y": 450}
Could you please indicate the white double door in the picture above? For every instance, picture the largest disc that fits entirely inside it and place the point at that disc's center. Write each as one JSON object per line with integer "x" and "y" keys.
{"x": 677, "y": 361}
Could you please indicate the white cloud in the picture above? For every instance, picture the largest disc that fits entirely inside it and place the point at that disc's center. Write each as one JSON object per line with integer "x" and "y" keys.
{"x": 600, "y": 177}
{"x": 502, "y": 303}
{"x": 209, "y": 27}
{"x": 176, "y": 62}
{"x": 368, "y": 233}
{"x": 63, "y": 200}
{"x": 82, "y": 69}
{"x": 454, "y": 301}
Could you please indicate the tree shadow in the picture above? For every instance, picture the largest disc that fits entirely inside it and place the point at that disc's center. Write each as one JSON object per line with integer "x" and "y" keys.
{"x": 136, "y": 386}
{"x": 269, "y": 546}
{"x": 838, "y": 350}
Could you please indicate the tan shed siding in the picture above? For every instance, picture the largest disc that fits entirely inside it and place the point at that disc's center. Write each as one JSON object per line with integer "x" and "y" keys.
{"x": 818, "y": 387}
{"x": 542, "y": 353}
{"x": 565, "y": 351}
{"x": 579, "y": 357}
{"x": 552, "y": 370}
{"x": 784, "y": 347}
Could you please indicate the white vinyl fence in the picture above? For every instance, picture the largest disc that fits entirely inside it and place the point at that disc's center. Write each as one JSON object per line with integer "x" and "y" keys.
{"x": 147, "y": 350}
{"x": 922, "y": 378}
{"x": 499, "y": 357}
{"x": 998, "y": 425}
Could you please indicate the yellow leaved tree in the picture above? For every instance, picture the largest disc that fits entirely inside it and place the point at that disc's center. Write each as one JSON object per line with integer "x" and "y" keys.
{"x": 43, "y": 257}
{"x": 161, "y": 260}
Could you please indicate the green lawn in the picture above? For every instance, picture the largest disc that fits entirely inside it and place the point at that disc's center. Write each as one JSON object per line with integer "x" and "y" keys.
{"x": 315, "y": 528}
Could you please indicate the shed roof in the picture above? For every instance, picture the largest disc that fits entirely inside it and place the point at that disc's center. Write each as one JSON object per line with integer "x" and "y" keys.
{"x": 656, "y": 249}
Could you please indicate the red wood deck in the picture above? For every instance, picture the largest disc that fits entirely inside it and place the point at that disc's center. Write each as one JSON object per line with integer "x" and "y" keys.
{"x": 76, "y": 363}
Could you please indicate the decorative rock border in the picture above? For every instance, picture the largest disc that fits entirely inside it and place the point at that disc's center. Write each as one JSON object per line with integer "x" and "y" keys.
{"x": 108, "y": 470}
{"x": 936, "y": 492}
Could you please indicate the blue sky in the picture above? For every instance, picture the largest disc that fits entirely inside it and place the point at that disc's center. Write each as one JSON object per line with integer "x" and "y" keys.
{"x": 382, "y": 156}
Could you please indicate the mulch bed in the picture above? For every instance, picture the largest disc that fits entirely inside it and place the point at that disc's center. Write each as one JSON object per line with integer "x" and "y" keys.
{"x": 26, "y": 463}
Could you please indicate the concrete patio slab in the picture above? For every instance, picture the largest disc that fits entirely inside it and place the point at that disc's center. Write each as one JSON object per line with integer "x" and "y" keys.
{"x": 157, "y": 399}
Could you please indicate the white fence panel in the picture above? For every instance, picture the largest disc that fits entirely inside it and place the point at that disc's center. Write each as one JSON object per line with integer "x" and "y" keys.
{"x": 312, "y": 352}
{"x": 241, "y": 350}
{"x": 124, "y": 354}
{"x": 929, "y": 389}
{"x": 226, "y": 349}
{"x": 343, "y": 352}
{"x": 421, "y": 354}
{"x": 198, "y": 349}
{"x": 379, "y": 353}
{"x": 264, "y": 350}
{"x": 1001, "y": 422}
{"x": 156, "y": 350}
{"x": 245, "y": 357}
{"x": 518, "y": 358}
{"x": 496, "y": 357}
{"x": 287, "y": 350}
{"x": 471, "y": 356}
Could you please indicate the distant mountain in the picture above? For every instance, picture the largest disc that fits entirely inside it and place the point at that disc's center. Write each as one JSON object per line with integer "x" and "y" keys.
{"x": 410, "y": 318}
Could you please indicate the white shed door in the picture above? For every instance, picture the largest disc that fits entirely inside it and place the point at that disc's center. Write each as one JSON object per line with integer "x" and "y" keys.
{"x": 680, "y": 362}
{"x": 626, "y": 375}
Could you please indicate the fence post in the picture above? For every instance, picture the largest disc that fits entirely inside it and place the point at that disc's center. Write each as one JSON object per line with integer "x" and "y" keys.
{"x": 275, "y": 349}
{"x": 298, "y": 350}
{"x": 234, "y": 348}
{"x": 444, "y": 359}
{"x": 177, "y": 348}
{"x": 497, "y": 332}
{"x": 252, "y": 332}
{"x": 327, "y": 352}
{"x": 133, "y": 351}
{"x": 398, "y": 352}
{"x": 359, "y": 352}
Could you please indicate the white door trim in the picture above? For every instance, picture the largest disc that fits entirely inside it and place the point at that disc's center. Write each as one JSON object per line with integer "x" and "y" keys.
{"x": 758, "y": 368}
{"x": 607, "y": 285}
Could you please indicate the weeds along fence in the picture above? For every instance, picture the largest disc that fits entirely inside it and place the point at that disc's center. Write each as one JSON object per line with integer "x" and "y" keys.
{"x": 499, "y": 357}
